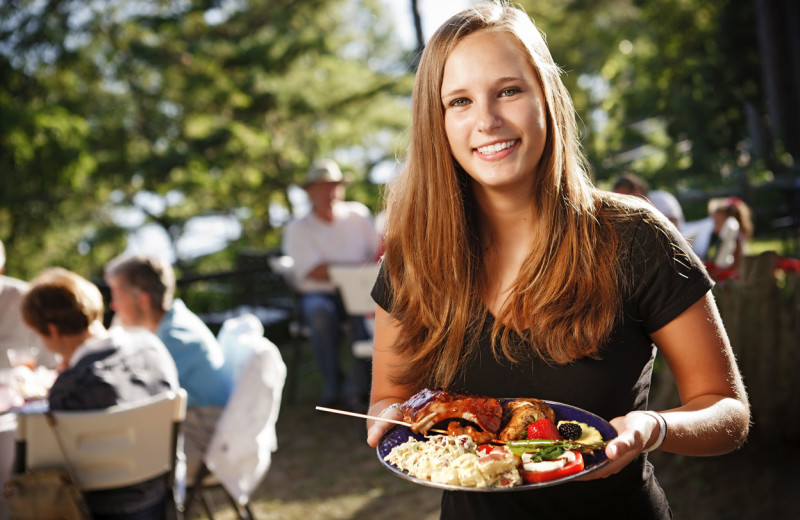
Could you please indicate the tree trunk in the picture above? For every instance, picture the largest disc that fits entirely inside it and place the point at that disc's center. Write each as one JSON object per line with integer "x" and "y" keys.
{"x": 778, "y": 25}
{"x": 418, "y": 31}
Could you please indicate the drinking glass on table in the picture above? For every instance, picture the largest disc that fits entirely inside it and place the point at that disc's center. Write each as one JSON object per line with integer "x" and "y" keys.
{"x": 23, "y": 356}
{"x": 10, "y": 394}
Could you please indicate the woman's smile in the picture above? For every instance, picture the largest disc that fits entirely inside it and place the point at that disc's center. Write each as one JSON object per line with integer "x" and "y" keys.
{"x": 492, "y": 151}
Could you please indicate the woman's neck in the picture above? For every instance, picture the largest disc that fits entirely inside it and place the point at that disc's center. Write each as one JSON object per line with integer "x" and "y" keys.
{"x": 508, "y": 234}
{"x": 71, "y": 342}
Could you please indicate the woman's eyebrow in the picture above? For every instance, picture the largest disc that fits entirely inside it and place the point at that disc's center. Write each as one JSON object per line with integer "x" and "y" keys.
{"x": 454, "y": 92}
{"x": 498, "y": 81}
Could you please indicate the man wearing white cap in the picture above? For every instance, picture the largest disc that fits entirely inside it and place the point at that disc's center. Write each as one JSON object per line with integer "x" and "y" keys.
{"x": 334, "y": 232}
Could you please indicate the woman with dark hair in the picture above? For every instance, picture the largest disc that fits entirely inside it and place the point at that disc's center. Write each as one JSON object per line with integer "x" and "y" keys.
{"x": 508, "y": 274}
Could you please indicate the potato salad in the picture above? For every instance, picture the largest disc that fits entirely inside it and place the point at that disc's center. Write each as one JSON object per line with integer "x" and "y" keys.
{"x": 456, "y": 461}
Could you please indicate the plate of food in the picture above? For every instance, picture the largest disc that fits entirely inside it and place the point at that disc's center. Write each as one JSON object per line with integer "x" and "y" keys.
{"x": 492, "y": 445}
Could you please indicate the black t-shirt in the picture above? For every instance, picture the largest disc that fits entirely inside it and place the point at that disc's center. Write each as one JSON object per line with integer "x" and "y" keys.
{"x": 664, "y": 279}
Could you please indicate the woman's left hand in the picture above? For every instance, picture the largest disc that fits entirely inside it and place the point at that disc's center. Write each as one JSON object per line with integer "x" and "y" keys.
{"x": 635, "y": 431}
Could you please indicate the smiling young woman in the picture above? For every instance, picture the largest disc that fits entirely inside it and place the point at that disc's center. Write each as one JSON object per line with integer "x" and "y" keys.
{"x": 508, "y": 274}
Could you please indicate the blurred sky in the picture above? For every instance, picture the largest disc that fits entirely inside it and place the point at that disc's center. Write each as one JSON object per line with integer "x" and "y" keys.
{"x": 433, "y": 13}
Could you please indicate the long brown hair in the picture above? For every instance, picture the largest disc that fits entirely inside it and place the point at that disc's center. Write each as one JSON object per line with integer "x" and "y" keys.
{"x": 566, "y": 295}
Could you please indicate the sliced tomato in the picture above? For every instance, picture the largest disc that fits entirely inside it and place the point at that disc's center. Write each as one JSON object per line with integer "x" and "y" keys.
{"x": 535, "y": 477}
{"x": 485, "y": 448}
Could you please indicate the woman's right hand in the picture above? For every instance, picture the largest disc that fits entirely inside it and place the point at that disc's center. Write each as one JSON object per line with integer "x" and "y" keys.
{"x": 375, "y": 428}
{"x": 386, "y": 395}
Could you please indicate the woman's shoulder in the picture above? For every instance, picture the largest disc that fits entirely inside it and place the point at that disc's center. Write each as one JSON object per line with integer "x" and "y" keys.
{"x": 633, "y": 218}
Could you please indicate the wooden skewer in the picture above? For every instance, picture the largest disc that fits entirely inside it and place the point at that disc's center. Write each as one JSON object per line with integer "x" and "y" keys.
{"x": 373, "y": 417}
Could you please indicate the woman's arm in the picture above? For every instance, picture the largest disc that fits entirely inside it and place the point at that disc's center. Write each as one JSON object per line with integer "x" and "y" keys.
{"x": 384, "y": 391}
{"x": 714, "y": 417}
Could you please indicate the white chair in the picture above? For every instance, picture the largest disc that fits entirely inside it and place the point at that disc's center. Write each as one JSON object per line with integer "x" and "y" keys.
{"x": 355, "y": 284}
{"x": 8, "y": 425}
{"x": 239, "y": 453}
{"x": 119, "y": 446}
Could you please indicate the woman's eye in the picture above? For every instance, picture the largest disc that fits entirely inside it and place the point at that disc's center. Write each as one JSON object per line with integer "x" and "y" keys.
{"x": 510, "y": 91}
{"x": 459, "y": 102}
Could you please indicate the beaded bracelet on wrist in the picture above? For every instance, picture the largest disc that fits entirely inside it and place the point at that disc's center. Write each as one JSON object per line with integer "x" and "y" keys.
{"x": 392, "y": 406}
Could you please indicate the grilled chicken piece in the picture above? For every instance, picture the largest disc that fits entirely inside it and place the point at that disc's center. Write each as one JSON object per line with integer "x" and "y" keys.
{"x": 429, "y": 407}
{"x": 519, "y": 413}
{"x": 455, "y": 429}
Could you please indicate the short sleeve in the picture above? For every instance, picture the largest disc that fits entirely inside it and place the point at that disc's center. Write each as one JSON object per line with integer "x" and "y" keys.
{"x": 381, "y": 291}
{"x": 667, "y": 276}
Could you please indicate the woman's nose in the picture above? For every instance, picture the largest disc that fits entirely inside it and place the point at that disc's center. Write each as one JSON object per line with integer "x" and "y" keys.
{"x": 488, "y": 118}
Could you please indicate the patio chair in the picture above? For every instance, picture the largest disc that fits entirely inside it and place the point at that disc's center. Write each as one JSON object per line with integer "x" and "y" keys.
{"x": 116, "y": 447}
{"x": 239, "y": 453}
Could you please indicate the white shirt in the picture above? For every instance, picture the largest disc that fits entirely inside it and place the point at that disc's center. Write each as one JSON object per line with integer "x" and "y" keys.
{"x": 349, "y": 239}
{"x": 91, "y": 345}
{"x": 667, "y": 204}
{"x": 13, "y": 331}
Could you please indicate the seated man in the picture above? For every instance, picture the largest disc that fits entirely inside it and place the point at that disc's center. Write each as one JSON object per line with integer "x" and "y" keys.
{"x": 101, "y": 369}
{"x": 334, "y": 232}
{"x": 142, "y": 290}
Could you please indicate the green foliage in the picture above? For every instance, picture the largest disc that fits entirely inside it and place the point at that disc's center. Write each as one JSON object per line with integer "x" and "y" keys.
{"x": 670, "y": 79}
{"x": 219, "y": 107}
{"x": 224, "y": 103}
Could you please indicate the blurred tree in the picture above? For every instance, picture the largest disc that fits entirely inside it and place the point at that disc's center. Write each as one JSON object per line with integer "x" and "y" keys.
{"x": 661, "y": 86}
{"x": 215, "y": 106}
{"x": 218, "y": 106}
{"x": 778, "y": 24}
{"x": 46, "y": 157}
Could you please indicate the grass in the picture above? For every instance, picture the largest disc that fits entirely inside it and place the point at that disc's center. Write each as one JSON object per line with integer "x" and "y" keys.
{"x": 760, "y": 245}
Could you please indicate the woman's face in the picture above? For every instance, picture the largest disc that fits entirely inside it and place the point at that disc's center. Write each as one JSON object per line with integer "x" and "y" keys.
{"x": 494, "y": 111}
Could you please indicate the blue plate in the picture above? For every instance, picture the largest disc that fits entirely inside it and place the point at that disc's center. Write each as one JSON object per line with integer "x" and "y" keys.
{"x": 564, "y": 412}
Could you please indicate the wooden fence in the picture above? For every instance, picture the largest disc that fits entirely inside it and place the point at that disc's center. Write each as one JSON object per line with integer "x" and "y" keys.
{"x": 761, "y": 312}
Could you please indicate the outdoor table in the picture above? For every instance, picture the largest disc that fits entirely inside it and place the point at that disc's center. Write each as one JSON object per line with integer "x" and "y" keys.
{"x": 10, "y": 399}
{"x": 13, "y": 401}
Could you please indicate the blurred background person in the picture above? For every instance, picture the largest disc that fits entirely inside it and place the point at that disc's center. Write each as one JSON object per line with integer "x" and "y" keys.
{"x": 13, "y": 335}
{"x": 733, "y": 228}
{"x": 665, "y": 202}
{"x": 13, "y": 332}
{"x": 101, "y": 369}
{"x": 142, "y": 289}
{"x": 334, "y": 232}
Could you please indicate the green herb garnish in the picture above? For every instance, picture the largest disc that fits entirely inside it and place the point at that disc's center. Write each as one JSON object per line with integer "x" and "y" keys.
{"x": 544, "y": 448}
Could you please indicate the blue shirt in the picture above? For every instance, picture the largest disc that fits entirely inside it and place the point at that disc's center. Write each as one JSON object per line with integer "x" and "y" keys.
{"x": 197, "y": 355}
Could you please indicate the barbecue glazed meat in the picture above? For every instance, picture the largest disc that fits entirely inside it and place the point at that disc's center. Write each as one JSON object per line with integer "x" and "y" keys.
{"x": 519, "y": 413}
{"x": 455, "y": 428}
{"x": 428, "y": 407}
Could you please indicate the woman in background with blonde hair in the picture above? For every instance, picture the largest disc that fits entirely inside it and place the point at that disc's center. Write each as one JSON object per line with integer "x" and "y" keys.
{"x": 508, "y": 274}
